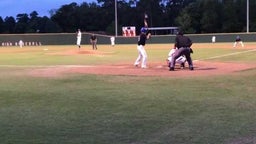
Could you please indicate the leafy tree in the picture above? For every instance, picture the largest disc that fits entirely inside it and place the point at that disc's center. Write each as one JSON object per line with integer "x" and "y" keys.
{"x": 211, "y": 17}
{"x": 1, "y": 25}
{"x": 22, "y": 23}
{"x": 33, "y": 24}
{"x": 185, "y": 22}
{"x": 66, "y": 17}
{"x": 106, "y": 14}
{"x": 189, "y": 19}
{"x": 9, "y": 25}
{"x": 252, "y": 16}
{"x": 230, "y": 17}
{"x": 47, "y": 25}
{"x": 194, "y": 16}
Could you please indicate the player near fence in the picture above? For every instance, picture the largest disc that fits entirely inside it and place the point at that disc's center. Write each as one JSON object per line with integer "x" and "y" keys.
{"x": 21, "y": 43}
{"x": 78, "y": 38}
{"x": 112, "y": 41}
{"x": 213, "y": 39}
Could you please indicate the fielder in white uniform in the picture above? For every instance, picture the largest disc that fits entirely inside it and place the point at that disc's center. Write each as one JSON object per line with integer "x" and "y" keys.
{"x": 213, "y": 39}
{"x": 21, "y": 43}
{"x": 181, "y": 60}
{"x": 112, "y": 41}
{"x": 79, "y": 38}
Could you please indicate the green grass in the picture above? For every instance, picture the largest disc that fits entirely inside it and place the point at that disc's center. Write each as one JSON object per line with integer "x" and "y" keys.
{"x": 93, "y": 109}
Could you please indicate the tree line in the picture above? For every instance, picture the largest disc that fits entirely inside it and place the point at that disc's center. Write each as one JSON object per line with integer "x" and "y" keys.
{"x": 193, "y": 16}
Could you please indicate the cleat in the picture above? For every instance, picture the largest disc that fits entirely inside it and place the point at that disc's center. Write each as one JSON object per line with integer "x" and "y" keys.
{"x": 182, "y": 66}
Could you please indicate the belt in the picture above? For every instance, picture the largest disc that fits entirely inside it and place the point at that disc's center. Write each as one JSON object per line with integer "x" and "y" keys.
{"x": 183, "y": 47}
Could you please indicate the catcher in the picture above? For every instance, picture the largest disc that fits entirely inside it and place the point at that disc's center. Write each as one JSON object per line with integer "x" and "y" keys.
{"x": 180, "y": 60}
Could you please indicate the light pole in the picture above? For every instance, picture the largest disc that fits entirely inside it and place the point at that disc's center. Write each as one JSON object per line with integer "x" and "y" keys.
{"x": 247, "y": 16}
{"x": 116, "y": 17}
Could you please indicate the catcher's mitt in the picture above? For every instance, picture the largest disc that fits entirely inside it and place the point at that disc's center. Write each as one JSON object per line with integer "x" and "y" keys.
{"x": 191, "y": 51}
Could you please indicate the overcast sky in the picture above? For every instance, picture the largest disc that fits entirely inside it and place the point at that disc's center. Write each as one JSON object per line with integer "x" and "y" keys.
{"x": 14, "y": 7}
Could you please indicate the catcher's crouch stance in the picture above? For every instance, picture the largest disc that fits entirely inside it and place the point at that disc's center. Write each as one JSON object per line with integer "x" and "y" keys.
{"x": 181, "y": 60}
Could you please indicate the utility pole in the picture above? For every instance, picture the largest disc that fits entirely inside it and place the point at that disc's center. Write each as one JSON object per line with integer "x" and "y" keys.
{"x": 248, "y": 21}
{"x": 115, "y": 17}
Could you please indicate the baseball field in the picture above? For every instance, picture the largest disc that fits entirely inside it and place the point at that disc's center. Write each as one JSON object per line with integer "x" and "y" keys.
{"x": 60, "y": 95}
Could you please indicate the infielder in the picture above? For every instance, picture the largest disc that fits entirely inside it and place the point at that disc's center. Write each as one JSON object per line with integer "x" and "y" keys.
{"x": 142, "y": 57}
{"x": 238, "y": 40}
{"x": 93, "y": 41}
{"x": 79, "y": 38}
{"x": 180, "y": 60}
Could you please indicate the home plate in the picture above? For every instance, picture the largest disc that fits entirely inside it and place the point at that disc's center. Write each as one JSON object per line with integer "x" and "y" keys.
{"x": 160, "y": 66}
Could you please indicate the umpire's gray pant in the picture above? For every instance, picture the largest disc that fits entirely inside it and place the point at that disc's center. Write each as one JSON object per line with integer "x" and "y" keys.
{"x": 182, "y": 51}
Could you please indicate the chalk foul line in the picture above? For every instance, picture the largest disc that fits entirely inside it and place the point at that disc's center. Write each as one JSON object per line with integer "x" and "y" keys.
{"x": 235, "y": 53}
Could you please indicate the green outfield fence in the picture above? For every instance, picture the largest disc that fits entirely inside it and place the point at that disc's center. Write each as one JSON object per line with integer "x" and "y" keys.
{"x": 70, "y": 38}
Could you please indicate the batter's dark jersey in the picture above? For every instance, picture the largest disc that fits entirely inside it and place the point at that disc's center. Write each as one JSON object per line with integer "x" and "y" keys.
{"x": 142, "y": 39}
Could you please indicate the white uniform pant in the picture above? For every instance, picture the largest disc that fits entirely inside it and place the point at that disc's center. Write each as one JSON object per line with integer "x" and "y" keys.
{"x": 180, "y": 60}
{"x": 78, "y": 42}
{"x": 142, "y": 57}
{"x": 240, "y": 42}
{"x": 112, "y": 41}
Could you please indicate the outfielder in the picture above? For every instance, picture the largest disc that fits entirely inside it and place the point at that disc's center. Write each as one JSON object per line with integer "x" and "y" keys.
{"x": 112, "y": 41}
{"x": 21, "y": 43}
{"x": 79, "y": 38}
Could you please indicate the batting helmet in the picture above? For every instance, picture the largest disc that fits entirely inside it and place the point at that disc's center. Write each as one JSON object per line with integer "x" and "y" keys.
{"x": 143, "y": 30}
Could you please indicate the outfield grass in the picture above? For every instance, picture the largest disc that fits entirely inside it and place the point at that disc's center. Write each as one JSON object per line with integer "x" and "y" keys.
{"x": 93, "y": 109}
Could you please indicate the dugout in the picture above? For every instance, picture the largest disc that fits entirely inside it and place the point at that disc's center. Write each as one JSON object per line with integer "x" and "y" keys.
{"x": 70, "y": 38}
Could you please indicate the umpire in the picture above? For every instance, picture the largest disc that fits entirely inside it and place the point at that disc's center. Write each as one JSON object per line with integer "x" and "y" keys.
{"x": 183, "y": 44}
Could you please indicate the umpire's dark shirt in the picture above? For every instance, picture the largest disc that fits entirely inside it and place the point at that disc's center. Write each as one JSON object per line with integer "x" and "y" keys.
{"x": 182, "y": 41}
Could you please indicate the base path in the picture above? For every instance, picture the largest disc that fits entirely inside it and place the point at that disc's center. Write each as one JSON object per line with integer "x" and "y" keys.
{"x": 201, "y": 68}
